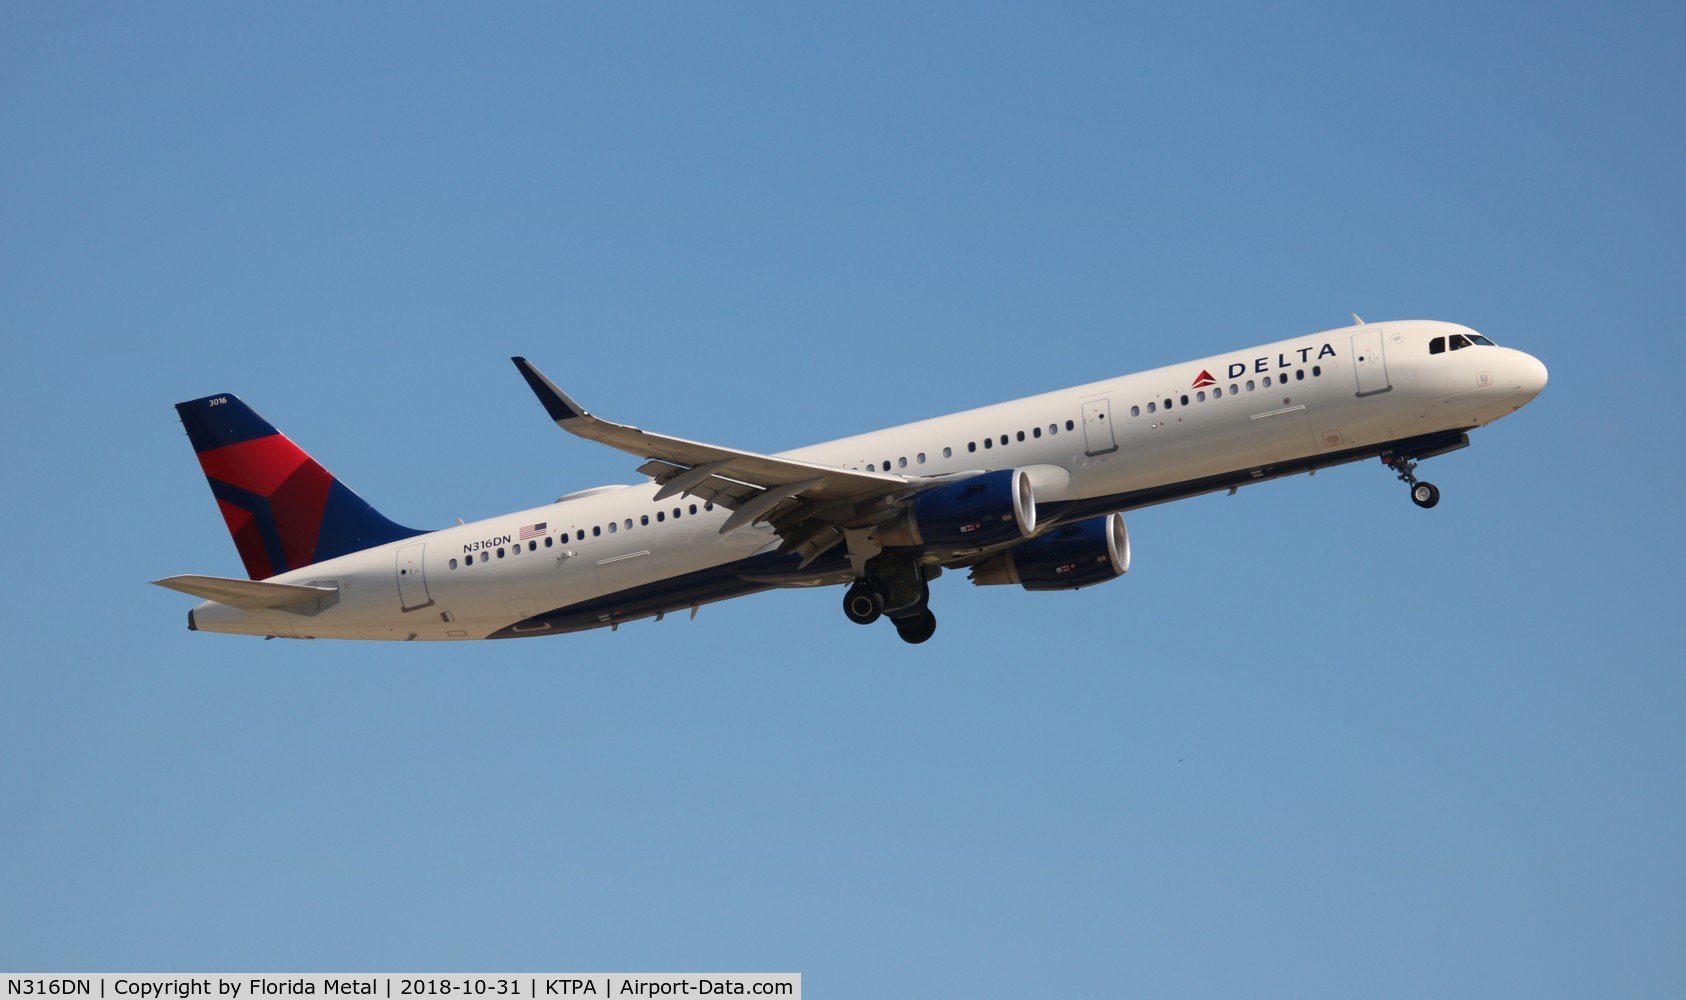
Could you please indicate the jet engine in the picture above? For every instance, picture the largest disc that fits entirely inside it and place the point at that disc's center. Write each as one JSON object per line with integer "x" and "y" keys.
{"x": 1077, "y": 555}
{"x": 984, "y": 510}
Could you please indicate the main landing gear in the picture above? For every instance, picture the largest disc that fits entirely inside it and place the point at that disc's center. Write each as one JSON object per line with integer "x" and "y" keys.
{"x": 1424, "y": 495}
{"x": 897, "y": 590}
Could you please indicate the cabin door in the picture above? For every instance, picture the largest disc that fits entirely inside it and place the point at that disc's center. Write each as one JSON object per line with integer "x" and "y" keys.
{"x": 412, "y": 578}
{"x": 1369, "y": 363}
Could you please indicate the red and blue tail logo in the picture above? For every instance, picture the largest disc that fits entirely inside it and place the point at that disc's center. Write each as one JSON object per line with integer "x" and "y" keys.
{"x": 284, "y": 510}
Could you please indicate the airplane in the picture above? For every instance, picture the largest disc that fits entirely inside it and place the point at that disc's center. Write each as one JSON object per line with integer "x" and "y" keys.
{"x": 1029, "y": 492}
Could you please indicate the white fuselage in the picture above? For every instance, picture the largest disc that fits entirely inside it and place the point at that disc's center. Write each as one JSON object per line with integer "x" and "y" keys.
{"x": 1325, "y": 397}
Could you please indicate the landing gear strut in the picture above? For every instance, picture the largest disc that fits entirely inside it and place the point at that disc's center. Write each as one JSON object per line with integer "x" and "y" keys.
{"x": 897, "y": 589}
{"x": 1424, "y": 495}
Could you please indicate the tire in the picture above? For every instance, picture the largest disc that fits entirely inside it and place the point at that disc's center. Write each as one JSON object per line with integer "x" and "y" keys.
{"x": 1425, "y": 495}
{"x": 863, "y": 603}
{"x": 915, "y": 629}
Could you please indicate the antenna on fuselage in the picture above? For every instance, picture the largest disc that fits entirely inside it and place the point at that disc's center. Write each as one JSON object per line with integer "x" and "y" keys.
{"x": 1358, "y": 320}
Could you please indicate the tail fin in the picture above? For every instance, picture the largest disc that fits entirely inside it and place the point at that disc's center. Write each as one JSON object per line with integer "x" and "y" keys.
{"x": 284, "y": 510}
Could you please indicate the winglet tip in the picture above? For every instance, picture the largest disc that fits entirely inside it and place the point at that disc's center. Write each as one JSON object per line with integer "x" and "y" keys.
{"x": 556, "y": 403}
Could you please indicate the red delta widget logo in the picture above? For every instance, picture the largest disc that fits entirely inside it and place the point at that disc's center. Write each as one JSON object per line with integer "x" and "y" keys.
{"x": 1259, "y": 366}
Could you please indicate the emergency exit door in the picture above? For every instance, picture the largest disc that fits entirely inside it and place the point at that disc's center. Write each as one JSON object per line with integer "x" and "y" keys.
{"x": 1097, "y": 428}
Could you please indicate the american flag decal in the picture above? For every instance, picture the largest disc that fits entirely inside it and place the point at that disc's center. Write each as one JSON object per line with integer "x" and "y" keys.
{"x": 533, "y": 530}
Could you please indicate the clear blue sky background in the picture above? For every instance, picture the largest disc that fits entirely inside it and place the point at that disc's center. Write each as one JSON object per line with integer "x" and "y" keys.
{"x": 1318, "y": 743}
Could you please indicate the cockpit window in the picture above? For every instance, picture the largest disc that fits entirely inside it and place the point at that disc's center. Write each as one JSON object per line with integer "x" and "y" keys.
{"x": 1459, "y": 341}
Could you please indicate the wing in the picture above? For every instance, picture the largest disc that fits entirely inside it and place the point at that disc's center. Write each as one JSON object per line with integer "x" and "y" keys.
{"x": 808, "y": 505}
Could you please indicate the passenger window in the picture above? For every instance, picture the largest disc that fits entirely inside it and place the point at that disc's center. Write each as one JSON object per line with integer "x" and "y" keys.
{"x": 1267, "y": 381}
{"x": 1036, "y": 432}
{"x": 1167, "y": 404}
{"x": 485, "y": 556}
{"x": 661, "y": 515}
{"x": 989, "y": 442}
{"x": 1218, "y": 392}
{"x": 1200, "y": 397}
{"x": 453, "y": 564}
{"x": 971, "y": 446}
{"x": 693, "y": 510}
{"x": 1437, "y": 345}
{"x": 921, "y": 458}
{"x": 1316, "y": 370}
{"x": 644, "y": 520}
{"x": 676, "y": 513}
{"x": 629, "y": 524}
{"x": 901, "y": 463}
{"x": 1249, "y": 385}
{"x": 1135, "y": 411}
{"x": 548, "y": 542}
{"x": 709, "y": 505}
{"x": 1003, "y": 440}
{"x": 534, "y": 546}
{"x": 597, "y": 531}
{"x": 1069, "y": 425}
{"x": 1021, "y": 435}
{"x": 1151, "y": 408}
{"x": 870, "y": 467}
{"x": 500, "y": 552}
{"x": 611, "y": 527}
{"x": 1299, "y": 374}
{"x": 948, "y": 452}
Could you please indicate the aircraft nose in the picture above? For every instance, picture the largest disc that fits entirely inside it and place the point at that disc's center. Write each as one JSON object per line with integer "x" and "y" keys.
{"x": 1531, "y": 378}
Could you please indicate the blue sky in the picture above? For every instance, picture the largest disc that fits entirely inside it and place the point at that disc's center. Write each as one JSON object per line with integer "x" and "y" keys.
{"x": 1317, "y": 743}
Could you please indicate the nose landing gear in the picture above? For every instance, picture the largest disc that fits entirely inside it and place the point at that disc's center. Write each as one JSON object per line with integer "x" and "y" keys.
{"x": 1424, "y": 495}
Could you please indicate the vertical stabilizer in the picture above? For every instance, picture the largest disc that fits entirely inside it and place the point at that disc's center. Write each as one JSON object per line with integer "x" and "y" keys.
{"x": 284, "y": 510}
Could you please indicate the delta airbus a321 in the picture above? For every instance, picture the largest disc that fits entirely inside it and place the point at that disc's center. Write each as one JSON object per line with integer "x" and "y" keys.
{"x": 1028, "y": 493}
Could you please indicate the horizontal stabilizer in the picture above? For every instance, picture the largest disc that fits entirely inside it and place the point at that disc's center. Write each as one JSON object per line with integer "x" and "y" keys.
{"x": 253, "y": 595}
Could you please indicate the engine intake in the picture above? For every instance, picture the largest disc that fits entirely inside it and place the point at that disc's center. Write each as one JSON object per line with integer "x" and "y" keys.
{"x": 984, "y": 510}
{"x": 1077, "y": 555}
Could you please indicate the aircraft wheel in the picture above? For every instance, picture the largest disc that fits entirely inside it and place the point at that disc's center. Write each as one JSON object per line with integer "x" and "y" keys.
{"x": 917, "y": 628}
{"x": 1425, "y": 495}
{"x": 863, "y": 603}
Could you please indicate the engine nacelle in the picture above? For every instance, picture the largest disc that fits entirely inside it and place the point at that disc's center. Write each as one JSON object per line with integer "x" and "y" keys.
{"x": 984, "y": 510}
{"x": 1077, "y": 555}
